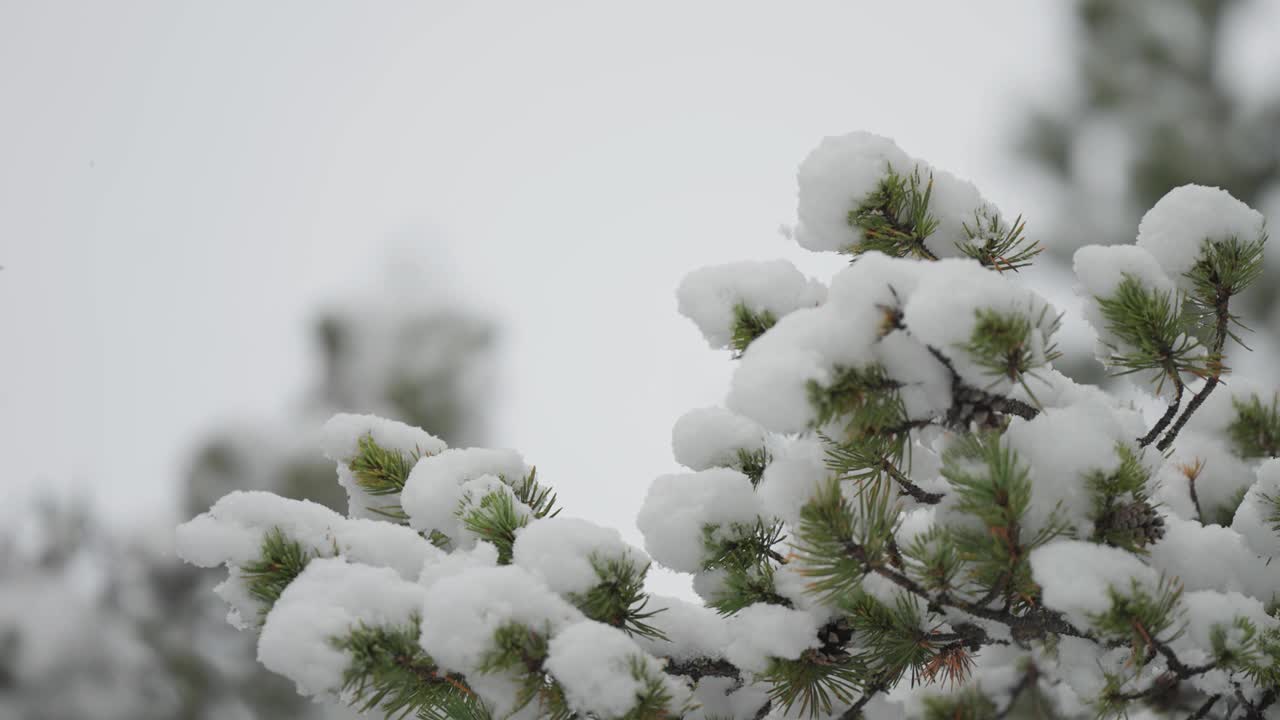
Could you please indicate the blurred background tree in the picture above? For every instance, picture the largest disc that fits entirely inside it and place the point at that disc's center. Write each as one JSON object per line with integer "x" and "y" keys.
{"x": 1151, "y": 109}
{"x": 100, "y": 625}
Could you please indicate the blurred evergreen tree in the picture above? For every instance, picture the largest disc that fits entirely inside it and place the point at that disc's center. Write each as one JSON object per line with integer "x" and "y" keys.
{"x": 153, "y": 641}
{"x": 1151, "y": 111}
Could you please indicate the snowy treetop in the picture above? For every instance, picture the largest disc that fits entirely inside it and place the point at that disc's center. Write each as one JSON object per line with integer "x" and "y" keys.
{"x": 902, "y": 509}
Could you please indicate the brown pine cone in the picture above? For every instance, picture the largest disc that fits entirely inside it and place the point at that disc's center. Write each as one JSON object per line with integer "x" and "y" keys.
{"x": 1136, "y": 520}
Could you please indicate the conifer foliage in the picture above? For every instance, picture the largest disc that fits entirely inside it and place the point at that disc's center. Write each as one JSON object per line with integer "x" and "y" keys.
{"x": 902, "y": 509}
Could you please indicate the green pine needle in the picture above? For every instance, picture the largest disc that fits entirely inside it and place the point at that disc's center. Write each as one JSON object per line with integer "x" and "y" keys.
{"x": 540, "y": 499}
{"x": 890, "y": 639}
{"x": 814, "y": 683}
{"x": 894, "y": 218}
{"x": 752, "y": 463}
{"x": 619, "y": 598}
{"x": 993, "y": 486}
{"x": 379, "y": 470}
{"x": 867, "y": 407}
{"x": 1255, "y": 429}
{"x": 836, "y": 544}
{"x": 654, "y": 700}
{"x": 1002, "y": 343}
{"x": 741, "y": 545}
{"x": 997, "y": 245}
{"x": 495, "y": 519}
{"x": 744, "y": 587}
{"x": 1150, "y": 323}
{"x": 933, "y": 561}
{"x": 1139, "y": 617}
{"x": 382, "y": 472}
{"x": 747, "y": 326}
{"x": 389, "y": 672}
{"x": 281, "y": 560}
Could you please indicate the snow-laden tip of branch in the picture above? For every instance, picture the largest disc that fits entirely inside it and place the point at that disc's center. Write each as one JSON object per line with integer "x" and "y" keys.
{"x": 1177, "y": 227}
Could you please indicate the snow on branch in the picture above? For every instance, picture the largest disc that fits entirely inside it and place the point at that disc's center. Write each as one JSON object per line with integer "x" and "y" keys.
{"x": 902, "y": 510}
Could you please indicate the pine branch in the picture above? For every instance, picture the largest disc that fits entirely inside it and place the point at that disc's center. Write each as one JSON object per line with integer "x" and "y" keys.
{"x": 382, "y": 472}
{"x": 539, "y": 498}
{"x": 619, "y": 599}
{"x": 389, "y": 671}
{"x": 996, "y": 245}
{"x": 281, "y": 560}
{"x": 1205, "y": 708}
{"x": 747, "y": 326}
{"x": 495, "y": 519}
{"x": 895, "y": 218}
{"x": 1225, "y": 269}
{"x": 969, "y": 402}
{"x": 917, "y": 493}
{"x": 1169, "y": 412}
{"x": 1216, "y": 368}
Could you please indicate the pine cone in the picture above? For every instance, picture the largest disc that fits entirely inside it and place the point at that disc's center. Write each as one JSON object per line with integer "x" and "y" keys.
{"x": 835, "y": 637}
{"x": 1136, "y": 520}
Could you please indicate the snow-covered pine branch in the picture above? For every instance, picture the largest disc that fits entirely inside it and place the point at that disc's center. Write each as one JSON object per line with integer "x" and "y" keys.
{"x": 902, "y": 510}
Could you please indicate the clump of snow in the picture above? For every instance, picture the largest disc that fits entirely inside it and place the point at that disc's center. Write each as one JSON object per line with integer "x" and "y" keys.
{"x": 561, "y": 552}
{"x": 232, "y": 533}
{"x": 762, "y": 631}
{"x": 446, "y": 566}
{"x": 943, "y": 313}
{"x": 692, "y": 631}
{"x": 438, "y": 485}
{"x": 1209, "y": 610}
{"x": 710, "y": 584}
{"x": 341, "y": 435}
{"x": 340, "y": 439}
{"x": 875, "y": 279}
{"x": 1075, "y": 576}
{"x": 834, "y": 179}
{"x": 797, "y": 472}
{"x": 1212, "y": 557}
{"x": 328, "y": 600}
{"x": 926, "y": 385}
{"x": 771, "y": 383}
{"x": 1220, "y": 478}
{"x": 1099, "y": 271}
{"x": 793, "y": 582}
{"x": 711, "y": 437}
{"x": 374, "y": 542}
{"x": 1206, "y": 608}
{"x": 461, "y": 615}
{"x": 473, "y": 495}
{"x": 604, "y": 672}
{"x": 1060, "y": 448}
{"x": 955, "y": 203}
{"x": 708, "y": 296}
{"x": 717, "y": 698}
{"x": 678, "y": 508}
{"x": 1053, "y": 389}
{"x": 1177, "y": 227}
{"x": 1253, "y": 518}
{"x": 772, "y": 388}
{"x": 838, "y": 176}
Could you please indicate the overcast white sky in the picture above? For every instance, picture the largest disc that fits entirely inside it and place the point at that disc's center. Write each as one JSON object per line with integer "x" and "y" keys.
{"x": 182, "y": 183}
